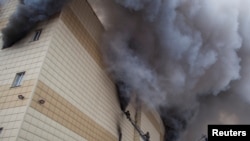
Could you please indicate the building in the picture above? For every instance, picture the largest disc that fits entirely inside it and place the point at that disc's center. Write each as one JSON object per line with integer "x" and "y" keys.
{"x": 53, "y": 86}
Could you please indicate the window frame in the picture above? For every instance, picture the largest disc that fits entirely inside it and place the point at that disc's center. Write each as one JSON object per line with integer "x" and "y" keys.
{"x": 37, "y": 35}
{"x": 18, "y": 79}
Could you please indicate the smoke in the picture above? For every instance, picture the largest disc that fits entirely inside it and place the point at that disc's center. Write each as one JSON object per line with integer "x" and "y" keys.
{"x": 175, "y": 120}
{"x": 2, "y": 2}
{"x": 26, "y": 17}
{"x": 124, "y": 95}
{"x": 226, "y": 108}
{"x": 179, "y": 56}
{"x": 174, "y": 52}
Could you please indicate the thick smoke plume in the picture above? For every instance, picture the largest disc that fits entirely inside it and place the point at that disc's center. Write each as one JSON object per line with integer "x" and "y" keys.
{"x": 173, "y": 53}
{"x": 26, "y": 17}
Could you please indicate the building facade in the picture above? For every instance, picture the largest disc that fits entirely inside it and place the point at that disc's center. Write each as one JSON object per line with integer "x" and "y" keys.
{"x": 53, "y": 86}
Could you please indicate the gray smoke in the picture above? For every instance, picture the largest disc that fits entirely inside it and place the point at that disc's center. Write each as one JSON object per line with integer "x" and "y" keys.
{"x": 26, "y": 17}
{"x": 174, "y": 52}
{"x": 2, "y": 2}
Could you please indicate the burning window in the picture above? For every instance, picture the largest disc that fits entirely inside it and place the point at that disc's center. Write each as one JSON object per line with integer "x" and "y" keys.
{"x": 18, "y": 79}
{"x": 37, "y": 35}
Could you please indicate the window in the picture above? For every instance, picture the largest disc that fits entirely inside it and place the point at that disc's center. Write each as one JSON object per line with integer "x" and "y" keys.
{"x": 37, "y": 35}
{"x": 18, "y": 79}
{"x": 1, "y": 129}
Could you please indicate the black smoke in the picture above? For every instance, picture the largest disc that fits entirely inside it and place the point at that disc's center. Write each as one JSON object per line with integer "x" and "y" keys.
{"x": 27, "y": 15}
{"x": 174, "y": 122}
{"x": 123, "y": 93}
{"x": 172, "y": 52}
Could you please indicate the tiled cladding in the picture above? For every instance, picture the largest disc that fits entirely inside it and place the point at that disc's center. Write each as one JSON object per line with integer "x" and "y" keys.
{"x": 39, "y": 127}
{"x": 127, "y": 130}
{"x": 7, "y": 7}
{"x": 155, "y": 119}
{"x": 80, "y": 33}
{"x": 24, "y": 56}
{"x": 60, "y": 110}
{"x": 147, "y": 126}
{"x": 71, "y": 71}
{"x": 88, "y": 19}
{"x": 10, "y": 120}
{"x": 9, "y": 96}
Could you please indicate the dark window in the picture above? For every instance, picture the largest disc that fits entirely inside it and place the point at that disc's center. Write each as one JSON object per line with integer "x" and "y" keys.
{"x": 37, "y": 35}
{"x": 18, "y": 79}
{"x": 1, "y": 129}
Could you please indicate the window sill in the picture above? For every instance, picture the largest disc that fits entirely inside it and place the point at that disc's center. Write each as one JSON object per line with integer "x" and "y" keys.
{"x": 15, "y": 86}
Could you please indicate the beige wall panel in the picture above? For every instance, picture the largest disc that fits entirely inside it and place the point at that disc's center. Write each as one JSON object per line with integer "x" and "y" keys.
{"x": 147, "y": 126}
{"x": 6, "y": 10}
{"x": 60, "y": 110}
{"x": 10, "y": 120}
{"x": 9, "y": 96}
{"x": 24, "y": 56}
{"x": 38, "y": 127}
{"x": 89, "y": 19}
{"x": 75, "y": 75}
{"x": 128, "y": 131}
{"x": 81, "y": 33}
